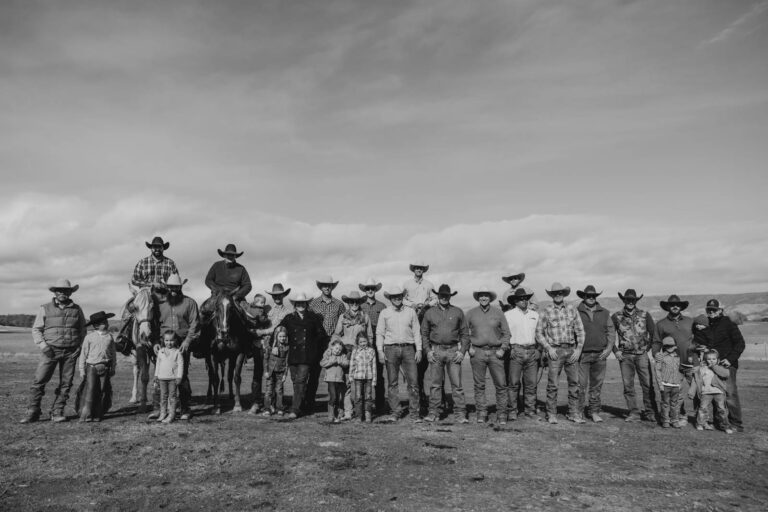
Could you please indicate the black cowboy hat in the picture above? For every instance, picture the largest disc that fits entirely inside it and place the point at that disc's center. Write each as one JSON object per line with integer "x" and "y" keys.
{"x": 589, "y": 289}
{"x": 230, "y": 250}
{"x": 99, "y": 318}
{"x": 278, "y": 290}
{"x": 509, "y": 277}
{"x": 444, "y": 290}
{"x": 673, "y": 300}
{"x": 520, "y": 294}
{"x": 158, "y": 241}
{"x": 630, "y": 294}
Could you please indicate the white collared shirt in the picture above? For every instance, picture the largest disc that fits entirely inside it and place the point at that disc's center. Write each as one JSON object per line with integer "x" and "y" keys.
{"x": 522, "y": 326}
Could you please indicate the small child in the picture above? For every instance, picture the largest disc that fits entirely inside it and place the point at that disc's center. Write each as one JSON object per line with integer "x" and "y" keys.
{"x": 362, "y": 375}
{"x": 258, "y": 324}
{"x": 98, "y": 360}
{"x": 709, "y": 387}
{"x": 335, "y": 363}
{"x": 668, "y": 372}
{"x": 275, "y": 357}
{"x": 169, "y": 369}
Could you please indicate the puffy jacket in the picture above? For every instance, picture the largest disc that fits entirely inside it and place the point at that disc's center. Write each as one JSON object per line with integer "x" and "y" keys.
{"x": 64, "y": 327}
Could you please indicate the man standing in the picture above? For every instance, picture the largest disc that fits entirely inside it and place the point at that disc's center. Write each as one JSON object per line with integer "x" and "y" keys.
{"x": 561, "y": 333}
{"x": 524, "y": 353}
{"x": 724, "y": 335}
{"x": 155, "y": 268}
{"x": 330, "y": 310}
{"x": 444, "y": 331}
{"x": 398, "y": 342}
{"x": 226, "y": 277}
{"x": 634, "y": 334}
{"x": 58, "y": 332}
{"x": 489, "y": 341}
{"x": 305, "y": 337}
{"x": 599, "y": 336}
{"x": 680, "y": 328}
{"x": 373, "y": 309}
{"x": 178, "y": 313}
{"x": 419, "y": 296}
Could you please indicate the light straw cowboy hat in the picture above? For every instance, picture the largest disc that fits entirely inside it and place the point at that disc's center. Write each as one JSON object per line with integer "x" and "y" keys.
{"x": 326, "y": 280}
{"x": 419, "y": 264}
{"x": 64, "y": 284}
{"x": 484, "y": 290}
{"x": 396, "y": 291}
{"x": 175, "y": 280}
{"x": 369, "y": 283}
{"x": 509, "y": 276}
{"x": 278, "y": 290}
{"x": 557, "y": 287}
{"x": 300, "y": 297}
{"x": 354, "y": 296}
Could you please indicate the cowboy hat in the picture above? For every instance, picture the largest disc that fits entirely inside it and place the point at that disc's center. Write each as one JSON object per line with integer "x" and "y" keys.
{"x": 158, "y": 241}
{"x": 713, "y": 304}
{"x": 589, "y": 289}
{"x": 668, "y": 341}
{"x": 520, "y": 294}
{"x": 370, "y": 283}
{"x": 673, "y": 300}
{"x": 484, "y": 290}
{"x": 175, "y": 280}
{"x": 300, "y": 297}
{"x": 557, "y": 287}
{"x": 230, "y": 250}
{"x": 630, "y": 294}
{"x": 394, "y": 292}
{"x": 510, "y": 276}
{"x": 99, "y": 318}
{"x": 277, "y": 289}
{"x": 326, "y": 280}
{"x": 354, "y": 296}
{"x": 64, "y": 284}
{"x": 419, "y": 264}
{"x": 444, "y": 289}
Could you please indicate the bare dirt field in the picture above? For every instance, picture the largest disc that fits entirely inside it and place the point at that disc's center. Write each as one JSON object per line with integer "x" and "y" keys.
{"x": 242, "y": 462}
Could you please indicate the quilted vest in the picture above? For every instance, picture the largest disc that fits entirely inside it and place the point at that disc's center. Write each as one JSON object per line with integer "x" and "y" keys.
{"x": 62, "y": 325}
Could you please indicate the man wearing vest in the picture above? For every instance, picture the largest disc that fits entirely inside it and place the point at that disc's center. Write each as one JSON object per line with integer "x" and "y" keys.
{"x": 58, "y": 332}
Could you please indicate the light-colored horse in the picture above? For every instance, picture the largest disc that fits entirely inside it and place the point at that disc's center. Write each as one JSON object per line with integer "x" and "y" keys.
{"x": 142, "y": 308}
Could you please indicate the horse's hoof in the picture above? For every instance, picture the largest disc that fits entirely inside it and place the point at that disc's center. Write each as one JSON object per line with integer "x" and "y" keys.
{"x": 217, "y": 410}
{"x": 237, "y": 408}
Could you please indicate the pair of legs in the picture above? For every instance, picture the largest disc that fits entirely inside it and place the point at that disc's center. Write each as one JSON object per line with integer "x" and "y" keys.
{"x": 720, "y": 410}
{"x": 184, "y": 390}
{"x": 258, "y": 374}
{"x": 670, "y": 404}
{"x": 336, "y": 397}
{"x": 273, "y": 393}
{"x": 591, "y": 377}
{"x": 485, "y": 360}
{"x": 52, "y": 358}
{"x": 97, "y": 395}
{"x": 299, "y": 377}
{"x": 363, "y": 393}
{"x": 556, "y": 366}
{"x": 168, "y": 398}
{"x": 523, "y": 369}
{"x": 401, "y": 357}
{"x": 444, "y": 356}
{"x": 640, "y": 365}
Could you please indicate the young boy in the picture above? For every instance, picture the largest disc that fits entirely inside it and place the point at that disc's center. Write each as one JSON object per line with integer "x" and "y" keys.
{"x": 98, "y": 360}
{"x": 362, "y": 375}
{"x": 708, "y": 385}
{"x": 668, "y": 371}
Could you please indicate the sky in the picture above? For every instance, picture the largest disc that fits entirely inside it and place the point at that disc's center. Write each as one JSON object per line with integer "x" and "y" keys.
{"x": 615, "y": 143}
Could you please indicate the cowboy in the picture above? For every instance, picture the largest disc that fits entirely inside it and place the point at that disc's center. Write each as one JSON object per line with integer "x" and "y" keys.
{"x": 398, "y": 342}
{"x": 524, "y": 353}
{"x": 420, "y": 296}
{"x": 227, "y": 277}
{"x": 599, "y": 336}
{"x": 680, "y": 328}
{"x": 58, "y": 332}
{"x": 561, "y": 333}
{"x": 373, "y": 308}
{"x": 722, "y": 334}
{"x": 155, "y": 268}
{"x": 634, "y": 335}
{"x": 330, "y": 310}
{"x": 178, "y": 313}
{"x": 306, "y": 336}
{"x": 489, "y": 341}
{"x": 514, "y": 281}
{"x": 350, "y": 324}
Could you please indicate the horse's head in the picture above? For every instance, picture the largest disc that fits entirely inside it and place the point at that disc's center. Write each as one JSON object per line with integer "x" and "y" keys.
{"x": 143, "y": 302}
{"x": 224, "y": 308}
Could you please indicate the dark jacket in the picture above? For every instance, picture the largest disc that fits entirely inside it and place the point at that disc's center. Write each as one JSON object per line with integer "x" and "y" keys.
{"x": 724, "y": 336}
{"x": 599, "y": 332}
{"x": 681, "y": 330}
{"x": 227, "y": 277}
{"x": 306, "y": 337}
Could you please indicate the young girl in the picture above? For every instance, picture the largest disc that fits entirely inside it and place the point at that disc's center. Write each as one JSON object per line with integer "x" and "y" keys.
{"x": 169, "y": 369}
{"x": 668, "y": 372}
{"x": 275, "y": 357}
{"x": 98, "y": 359}
{"x": 708, "y": 385}
{"x": 335, "y": 363}
{"x": 362, "y": 375}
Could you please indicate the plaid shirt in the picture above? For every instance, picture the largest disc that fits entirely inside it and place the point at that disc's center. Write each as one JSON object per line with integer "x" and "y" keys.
{"x": 331, "y": 311}
{"x": 362, "y": 364}
{"x": 560, "y": 326}
{"x": 149, "y": 270}
{"x": 373, "y": 311}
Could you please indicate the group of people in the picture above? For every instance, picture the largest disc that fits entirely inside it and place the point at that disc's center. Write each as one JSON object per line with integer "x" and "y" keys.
{"x": 356, "y": 340}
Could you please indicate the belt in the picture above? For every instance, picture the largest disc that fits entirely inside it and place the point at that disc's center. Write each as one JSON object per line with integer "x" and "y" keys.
{"x": 398, "y": 344}
{"x": 564, "y": 345}
{"x": 526, "y": 347}
{"x": 452, "y": 345}
{"x": 488, "y": 347}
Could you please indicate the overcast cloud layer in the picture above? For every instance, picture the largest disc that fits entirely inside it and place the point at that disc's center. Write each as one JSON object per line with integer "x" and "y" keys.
{"x": 614, "y": 142}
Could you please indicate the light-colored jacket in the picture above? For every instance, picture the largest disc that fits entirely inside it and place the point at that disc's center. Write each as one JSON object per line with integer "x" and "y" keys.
{"x": 170, "y": 364}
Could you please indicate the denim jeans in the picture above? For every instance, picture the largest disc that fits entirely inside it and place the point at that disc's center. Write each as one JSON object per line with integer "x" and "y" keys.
{"x": 732, "y": 399}
{"x": 720, "y": 410}
{"x": 591, "y": 377}
{"x": 336, "y": 393}
{"x": 51, "y": 358}
{"x": 273, "y": 392}
{"x": 670, "y": 406}
{"x": 363, "y": 392}
{"x": 556, "y": 366}
{"x": 299, "y": 377}
{"x": 523, "y": 364}
{"x": 168, "y": 395}
{"x": 444, "y": 356}
{"x": 485, "y": 360}
{"x": 639, "y": 364}
{"x": 397, "y": 357}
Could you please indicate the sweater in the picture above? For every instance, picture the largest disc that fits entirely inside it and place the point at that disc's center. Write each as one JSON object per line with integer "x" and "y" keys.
{"x": 98, "y": 348}
{"x": 170, "y": 364}
{"x": 698, "y": 387}
{"x": 335, "y": 366}
{"x": 599, "y": 331}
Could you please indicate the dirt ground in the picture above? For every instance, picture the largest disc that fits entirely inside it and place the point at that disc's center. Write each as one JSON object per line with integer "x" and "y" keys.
{"x": 237, "y": 461}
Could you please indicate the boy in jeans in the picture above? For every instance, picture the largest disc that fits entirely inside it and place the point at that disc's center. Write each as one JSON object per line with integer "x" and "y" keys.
{"x": 708, "y": 384}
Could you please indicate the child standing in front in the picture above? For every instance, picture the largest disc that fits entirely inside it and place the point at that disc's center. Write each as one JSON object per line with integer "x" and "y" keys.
{"x": 708, "y": 385}
{"x": 169, "y": 369}
{"x": 275, "y": 357}
{"x": 335, "y": 363}
{"x": 668, "y": 372}
{"x": 98, "y": 360}
{"x": 362, "y": 375}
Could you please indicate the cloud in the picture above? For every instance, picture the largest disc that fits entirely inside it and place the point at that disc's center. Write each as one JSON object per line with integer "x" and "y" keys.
{"x": 757, "y": 9}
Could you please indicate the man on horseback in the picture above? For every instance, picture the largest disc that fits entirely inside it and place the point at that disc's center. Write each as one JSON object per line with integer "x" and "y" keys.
{"x": 155, "y": 268}
{"x": 226, "y": 277}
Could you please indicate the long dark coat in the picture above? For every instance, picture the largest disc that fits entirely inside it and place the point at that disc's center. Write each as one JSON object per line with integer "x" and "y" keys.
{"x": 306, "y": 337}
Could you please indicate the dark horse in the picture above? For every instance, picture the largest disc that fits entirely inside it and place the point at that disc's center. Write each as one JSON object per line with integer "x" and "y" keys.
{"x": 225, "y": 339}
